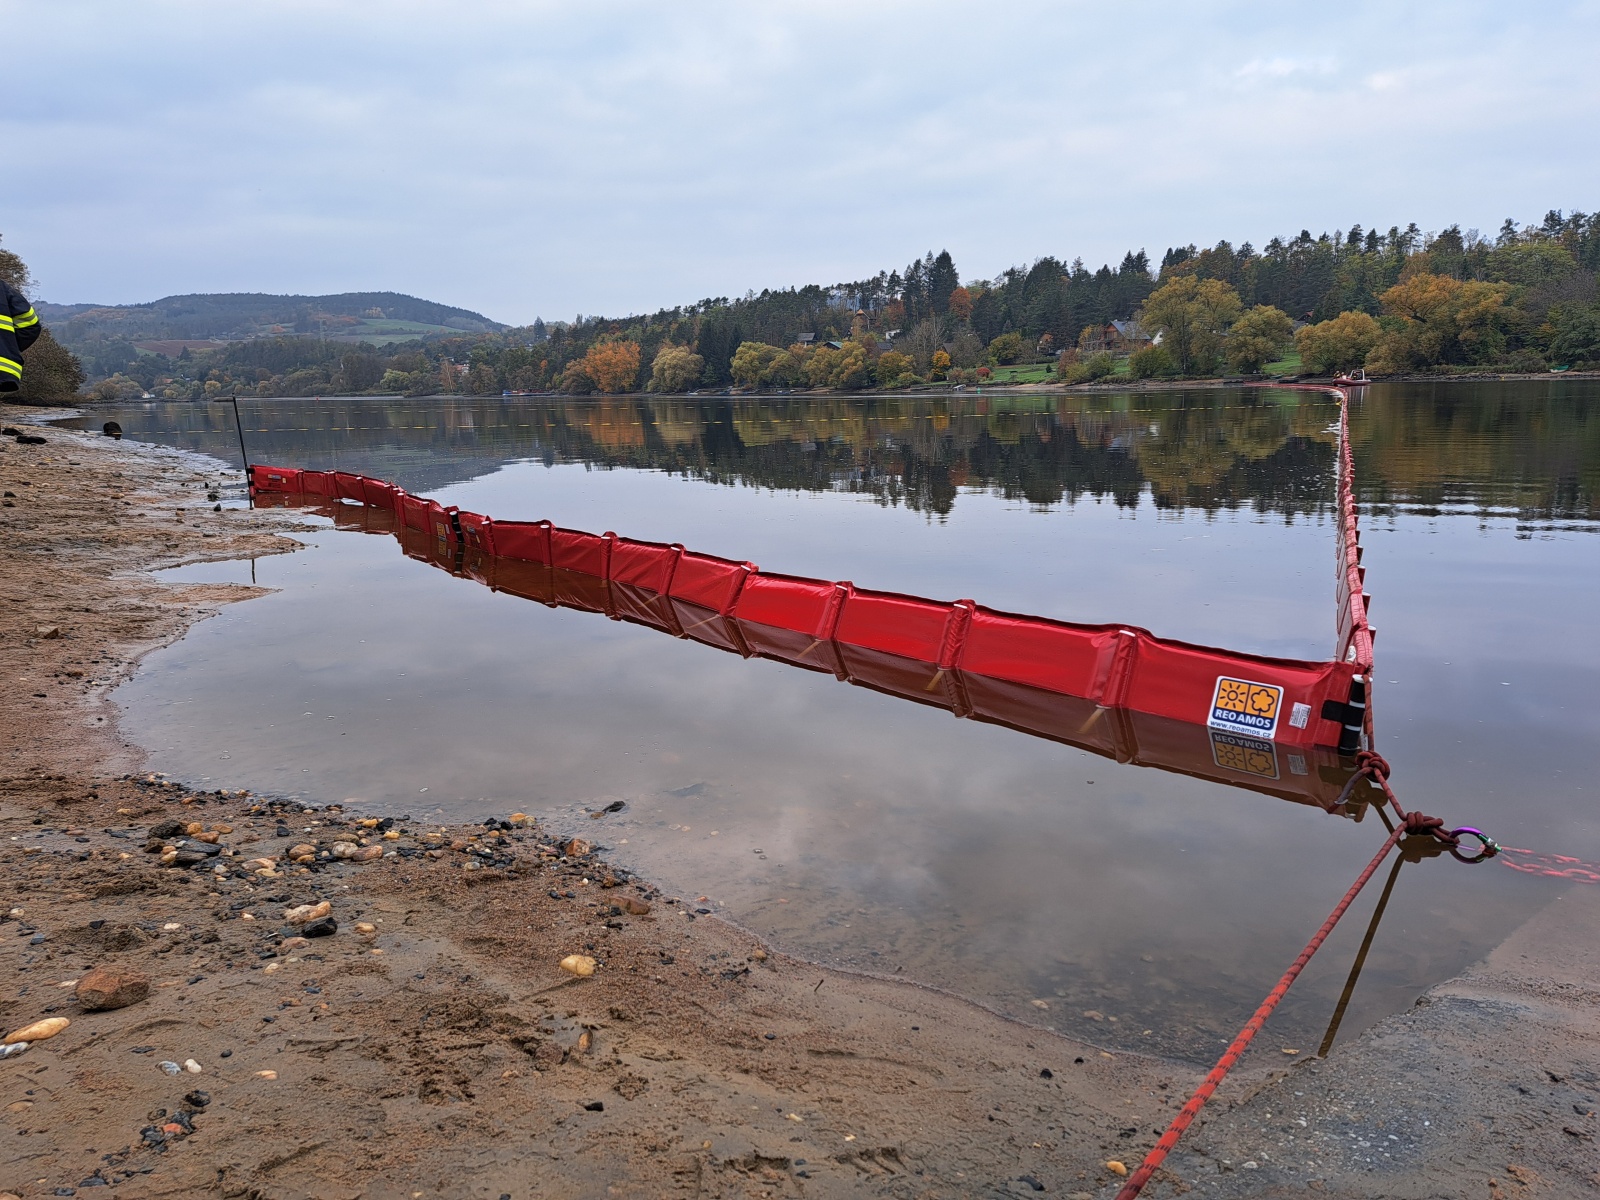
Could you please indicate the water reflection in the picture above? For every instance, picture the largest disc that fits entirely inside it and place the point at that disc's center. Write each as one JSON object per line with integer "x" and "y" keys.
{"x": 887, "y": 836}
{"x": 1210, "y": 450}
{"x": 1530, "y": 451}
{"x": 1419, "y": 446}
{"x": 1306, "y": 774}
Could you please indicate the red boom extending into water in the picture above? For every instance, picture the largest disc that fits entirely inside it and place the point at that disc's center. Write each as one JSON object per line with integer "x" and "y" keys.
{"x": 1275, "y": 725}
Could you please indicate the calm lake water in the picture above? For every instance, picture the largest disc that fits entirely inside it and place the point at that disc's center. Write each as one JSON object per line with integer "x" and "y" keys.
{"x": 1125, "y": 905}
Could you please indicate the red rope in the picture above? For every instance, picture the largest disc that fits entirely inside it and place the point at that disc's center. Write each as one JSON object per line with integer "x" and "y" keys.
{"x": 1373, "y": 766}
{"x": 1555, "y": 866}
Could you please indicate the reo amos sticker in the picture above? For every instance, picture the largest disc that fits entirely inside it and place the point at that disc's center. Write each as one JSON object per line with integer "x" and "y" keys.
{"x": 1247, "y": 755}
{"x": 1241, "y": 706}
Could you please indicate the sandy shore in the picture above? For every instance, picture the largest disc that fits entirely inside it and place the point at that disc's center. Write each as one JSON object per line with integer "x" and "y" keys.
{"x": 430, "y": 1045}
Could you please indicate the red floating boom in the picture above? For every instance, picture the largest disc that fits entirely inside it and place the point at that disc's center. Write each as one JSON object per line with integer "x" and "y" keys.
{"x": 1277, "y": 725}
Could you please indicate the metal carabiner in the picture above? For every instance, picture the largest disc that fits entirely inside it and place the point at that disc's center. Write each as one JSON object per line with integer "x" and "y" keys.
{"x": 1487, "y": 847}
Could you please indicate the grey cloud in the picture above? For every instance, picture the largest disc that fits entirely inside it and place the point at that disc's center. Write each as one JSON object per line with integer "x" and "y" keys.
{"x": 541, "y": 159}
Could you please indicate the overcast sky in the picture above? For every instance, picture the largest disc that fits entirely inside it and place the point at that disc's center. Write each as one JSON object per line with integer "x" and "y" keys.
{"x": 522, "y": 158}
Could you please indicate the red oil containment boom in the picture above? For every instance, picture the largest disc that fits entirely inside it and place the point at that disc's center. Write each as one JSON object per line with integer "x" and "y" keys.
{"x": 1281, "y": 726}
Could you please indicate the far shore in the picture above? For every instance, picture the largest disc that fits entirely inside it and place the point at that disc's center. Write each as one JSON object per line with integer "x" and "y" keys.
{"x": 1099, "y": 387}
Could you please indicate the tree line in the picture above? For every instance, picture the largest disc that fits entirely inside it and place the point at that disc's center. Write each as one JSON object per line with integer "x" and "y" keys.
{"x": 1400, "y": 301}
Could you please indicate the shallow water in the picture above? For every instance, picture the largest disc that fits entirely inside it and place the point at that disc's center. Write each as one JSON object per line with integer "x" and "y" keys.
{"x": 1123, "y": 904}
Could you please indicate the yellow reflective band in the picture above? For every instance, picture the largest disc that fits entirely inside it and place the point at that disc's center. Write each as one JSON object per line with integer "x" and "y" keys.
{"x": 13, "y": 368}
{"x": 28, "y": 318}
{"x": 7, "y": 323}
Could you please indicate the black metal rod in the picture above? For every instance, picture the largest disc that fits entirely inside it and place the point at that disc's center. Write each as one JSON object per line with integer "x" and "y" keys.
{"x": 1361, "y": 959}
{"x": 239, "y": 425}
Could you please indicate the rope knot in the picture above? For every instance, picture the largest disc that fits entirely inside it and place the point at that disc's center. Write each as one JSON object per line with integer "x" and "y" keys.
{"x": 1371, "y": 763}
{"x": 1419, "y": 823}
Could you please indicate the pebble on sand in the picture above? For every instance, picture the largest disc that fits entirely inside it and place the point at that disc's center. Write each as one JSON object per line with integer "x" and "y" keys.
{"x": 1116, "y": 1168}
{"x": 304, "y": 914}
{"x": 104, "y": 988}
{"x": 580, "y": 965}
{"x": 50, "y": 1026}
{"x": 192, "y": 1067}
{"x": 267, "y": 1075}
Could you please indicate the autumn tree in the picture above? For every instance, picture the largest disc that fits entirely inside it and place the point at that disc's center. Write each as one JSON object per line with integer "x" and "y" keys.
{"x": 1006, "y": 348}
{"x": 1442, "y": 321}
{"x": 1151, "y": 362}
{"x": 575, "y": 379}
{"x": 920, "y": 344}
{"x": 893, "y": 369}
{"x": 675, "y": 369}
{"x": 613, "y": 365}
{"x": 51, "y": 373}
{"x": 787, "y": 368}
{"x": 966, "y": 349}
{"x": 751, "y": 362}
{"x": 1257, "y": 338}
{"x": 941, "y": 363}
{"x": 961, "y": 304}
{"x": 1341, "y": 344}
{"x": 1193, "y": 317}
{"x": 847, "y": 368}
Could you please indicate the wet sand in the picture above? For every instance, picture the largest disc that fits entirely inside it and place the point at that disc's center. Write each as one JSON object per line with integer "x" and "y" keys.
{"x": 432, "y": 1046}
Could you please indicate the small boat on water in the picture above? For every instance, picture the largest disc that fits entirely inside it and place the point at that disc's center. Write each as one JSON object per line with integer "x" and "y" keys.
{"x": 1359, "y": 379}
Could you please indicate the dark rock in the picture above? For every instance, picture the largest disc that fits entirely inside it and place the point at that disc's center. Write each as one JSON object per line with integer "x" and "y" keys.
{"x": 595, "y": 1106}
{"x": 111, "y": 429}
{"x": 167, "y": 830}
{"x": 322, "y": 928}
{"x": 197, "y": 1099}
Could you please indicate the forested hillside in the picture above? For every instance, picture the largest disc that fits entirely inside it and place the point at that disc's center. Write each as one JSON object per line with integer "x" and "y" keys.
{"x": 1398, "y": 301}
{"x": 110, "y": 337}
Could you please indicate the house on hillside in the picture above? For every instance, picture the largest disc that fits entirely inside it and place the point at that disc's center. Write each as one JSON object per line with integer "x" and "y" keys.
{"x": 1124, "y": 337}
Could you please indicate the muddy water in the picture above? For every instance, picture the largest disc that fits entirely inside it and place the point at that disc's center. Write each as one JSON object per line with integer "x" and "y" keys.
{"x": 1129, "y": 906}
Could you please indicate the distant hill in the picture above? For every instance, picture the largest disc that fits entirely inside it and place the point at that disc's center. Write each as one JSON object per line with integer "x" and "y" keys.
{"x": 377, "y": 317}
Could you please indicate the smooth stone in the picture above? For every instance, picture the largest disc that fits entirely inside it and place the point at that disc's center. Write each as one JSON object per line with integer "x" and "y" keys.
{"x": 301, "y": 914}
{"x": 39, "y": 1030}
{"x": 104, "y": 988}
